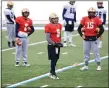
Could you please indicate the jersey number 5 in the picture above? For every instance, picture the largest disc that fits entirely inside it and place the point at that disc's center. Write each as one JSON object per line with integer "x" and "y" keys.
{"x": 90, "y": 25}
{"x": 25, "y": 28}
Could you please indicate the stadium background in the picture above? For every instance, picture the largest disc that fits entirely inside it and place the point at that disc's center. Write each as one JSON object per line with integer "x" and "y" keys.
{"x": 40, "y": 10}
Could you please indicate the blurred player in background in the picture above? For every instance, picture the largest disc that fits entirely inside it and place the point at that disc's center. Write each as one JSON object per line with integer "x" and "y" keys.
{"x": 101, "y": 13}
{"x": 24, "y": 28}
{"x": 10, "y": 23}
{"x": 53, "y": 36}
{"x": 69, "y": 17}
{"x": 92, "y": 30}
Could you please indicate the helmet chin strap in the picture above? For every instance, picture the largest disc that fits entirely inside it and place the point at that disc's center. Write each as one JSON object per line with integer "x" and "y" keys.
{"x": 91, "y": 16}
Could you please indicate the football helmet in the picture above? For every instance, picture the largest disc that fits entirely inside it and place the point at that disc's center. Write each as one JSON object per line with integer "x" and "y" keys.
{"x": 91, "y": 12}
{"x": 72, "y": 2}
{"x": 10, "y": 4}
{"x": 53, "y": 18}
{"x": 99, "y": 4}
{"x": 25, "y": 12}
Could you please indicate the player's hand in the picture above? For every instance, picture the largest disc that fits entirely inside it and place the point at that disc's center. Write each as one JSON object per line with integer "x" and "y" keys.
{"x": 83, "y": 37}
{"x": 29, "y": 29}
{"x": 97, "y": 30}
{"x": 18, "y": 41}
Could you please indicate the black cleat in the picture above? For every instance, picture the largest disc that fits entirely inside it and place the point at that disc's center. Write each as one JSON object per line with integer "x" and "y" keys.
{"x": 9, "y": 44}
{"x": 17, "y": 64}
{"x": 13, "y": 43}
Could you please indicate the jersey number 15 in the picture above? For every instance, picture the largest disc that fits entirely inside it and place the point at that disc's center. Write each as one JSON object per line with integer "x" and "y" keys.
{"x": 90, "y": 25}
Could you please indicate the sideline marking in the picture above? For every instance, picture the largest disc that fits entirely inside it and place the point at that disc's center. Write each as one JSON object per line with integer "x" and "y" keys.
{"x": 14, "y": 53}
{"x": 65, "y": 53}
{"x": 78, "y": 86}
{"x": 40, "y": 53}
{"x": 44, "y": 86}
{"x": 47, "y": 74}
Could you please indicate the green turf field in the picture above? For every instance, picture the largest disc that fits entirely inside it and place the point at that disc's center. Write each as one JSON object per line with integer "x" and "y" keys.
{"x": 40, "y": 65}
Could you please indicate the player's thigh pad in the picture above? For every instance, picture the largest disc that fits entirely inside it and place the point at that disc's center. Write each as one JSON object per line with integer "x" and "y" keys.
{"x": 69, "y": 27}
{"x": 52, "y": 52}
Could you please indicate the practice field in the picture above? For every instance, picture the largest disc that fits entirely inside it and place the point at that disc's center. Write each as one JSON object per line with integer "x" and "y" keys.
{"x": 37, "y": 58}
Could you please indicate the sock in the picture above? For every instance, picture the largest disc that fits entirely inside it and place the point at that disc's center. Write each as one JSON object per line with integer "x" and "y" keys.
{"x": 9, "y": 44}
{"x": 86, "y": 63}
{"x": 70, "y": 37}
{"x": 13, "y": 43}
{"x": 53, "y": 64}
{"x": 98, "y": 63}
{"x": 65, "y": 36}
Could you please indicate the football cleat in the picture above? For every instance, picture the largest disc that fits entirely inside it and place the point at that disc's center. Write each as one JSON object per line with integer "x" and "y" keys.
{"x": 17, "y": 64}
{"x": 53, "y": 76}
{"x": 84, "y": 68}
{"x": 25, "y": 64}
{"x": 99, "y": 68}
{"x": 65, "y": 44}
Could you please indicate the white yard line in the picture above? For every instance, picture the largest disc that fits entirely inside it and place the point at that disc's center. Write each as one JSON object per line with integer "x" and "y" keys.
{"x": 65, "y": 53}
{"x": 40, "y": 53}
{"x": 78, "y": 86}
{"x": 28, "y": 45}
{"x": 14, "y": 53}
{"x": 91, "y": 53}
{"x": 6, "y": 37}
{"x": 47, "y": 74}
{"x": 33, "y": 44}
{"x": 44, "y": 86}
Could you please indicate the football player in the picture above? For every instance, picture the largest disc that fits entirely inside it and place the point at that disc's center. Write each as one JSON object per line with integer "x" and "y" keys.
{"x": 10, "y": 23}
{"x": 69, "y": 17}
{"x": 92, "y": 29}
{"x": 24, "y": 28}
{"x": 101, "y": 13}
{"x": 53, "y": 36}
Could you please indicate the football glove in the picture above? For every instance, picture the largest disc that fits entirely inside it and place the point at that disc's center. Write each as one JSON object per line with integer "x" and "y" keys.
{"x": 58, "y": 45}
{"x": 18, "y": 42}
{"x": 29, "y": 29}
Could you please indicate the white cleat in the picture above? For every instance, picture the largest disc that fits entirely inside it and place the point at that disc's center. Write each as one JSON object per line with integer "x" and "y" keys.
{"x": 65, "y": 44}
{"x": 99, "y": 68}
{"x": 27, "y": 65}
{"x": 17, "y": 65}
{"x": 73, "y": 45}
{"x": 53, "y": 76}
{"x": 84, "y": 68}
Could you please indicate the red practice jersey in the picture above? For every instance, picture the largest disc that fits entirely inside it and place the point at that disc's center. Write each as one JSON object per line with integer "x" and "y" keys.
{"x": 55, "y": 31}
{"x": 90, "y": 25}
{"x": 23, "y": 23}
